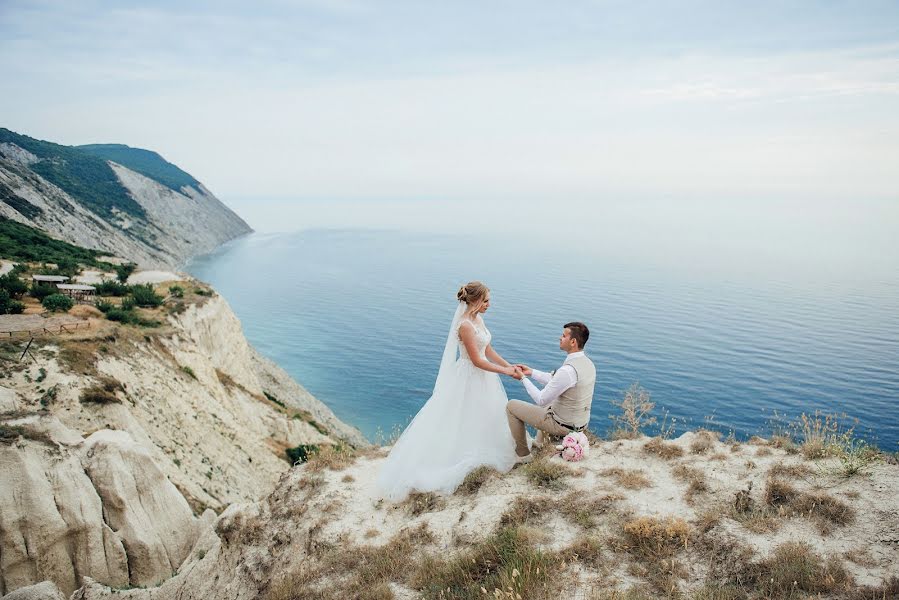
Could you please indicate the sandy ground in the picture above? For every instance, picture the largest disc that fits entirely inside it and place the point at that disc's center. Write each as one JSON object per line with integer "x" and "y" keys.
{"x": 92, "y": 277}
{"x": 155, "y": 277}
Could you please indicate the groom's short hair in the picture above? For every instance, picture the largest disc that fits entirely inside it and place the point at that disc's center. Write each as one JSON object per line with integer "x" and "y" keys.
{"x": 579, "y": 332}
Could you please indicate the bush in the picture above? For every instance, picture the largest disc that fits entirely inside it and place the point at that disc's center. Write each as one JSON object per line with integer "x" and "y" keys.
{"x": 42, "y": 290}
{"x": 177, "y": 291}
{"x": 112, "y": 288}
{"x": 104, "y": 307}
{"x": 4, "y": 301}
{"x": 15, "y": 307}
{"x": 301, "y": 453}
{"x": 124, "y": 271}
{"x": 13, "y": 285}
{"x": 58, "y": 302}
{"x": 144, "y": 295}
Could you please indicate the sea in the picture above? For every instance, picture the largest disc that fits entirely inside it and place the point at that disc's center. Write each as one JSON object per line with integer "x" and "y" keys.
{"x": 741, "y": 328}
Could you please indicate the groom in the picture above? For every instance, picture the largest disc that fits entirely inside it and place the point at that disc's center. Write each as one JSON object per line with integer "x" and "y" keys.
{"x": 563, "y": 405}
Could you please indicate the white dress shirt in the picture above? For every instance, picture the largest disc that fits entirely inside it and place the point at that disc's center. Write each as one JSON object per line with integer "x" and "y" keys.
{"x": 554, "y": 384}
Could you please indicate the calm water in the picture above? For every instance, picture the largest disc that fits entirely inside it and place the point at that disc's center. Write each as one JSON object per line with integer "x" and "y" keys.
{"x": 360, "y": 318}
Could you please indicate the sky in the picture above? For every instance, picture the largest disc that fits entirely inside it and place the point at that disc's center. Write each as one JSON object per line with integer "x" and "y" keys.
{"x": 503, "y": 101}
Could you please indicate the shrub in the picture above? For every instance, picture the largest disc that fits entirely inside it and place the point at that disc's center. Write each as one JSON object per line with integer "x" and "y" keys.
{"x": 794, "y": 568}
{"x": 189, "y": 371}
{"x": 13, "y": 285}
{"x": 102, "y": 393}
{"x": 145, "y": 295}
{"x": 177, "y": 291}
{"x": 4, "y": 301}
{"x": 128, "y": 304}
{"x": 57, "y": 302}
{"x": 104, "y": 306}
{"x": 42, "y": 290}
{"x": 301, "y": 453}
{"x": 546, "y": 474}
{"x": 112, "y": 288}
{"x": 635, "y": 408}
{"x": 125, "y": 271}
{"x": 15, "y": 307}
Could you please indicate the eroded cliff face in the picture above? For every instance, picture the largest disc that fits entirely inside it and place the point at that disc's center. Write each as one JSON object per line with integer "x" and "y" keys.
{"x": 115, "y": 441}
{"x": 177, "y": 226}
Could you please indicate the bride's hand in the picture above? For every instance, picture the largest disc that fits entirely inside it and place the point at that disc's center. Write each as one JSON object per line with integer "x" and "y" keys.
{"x": 513, "y": 371}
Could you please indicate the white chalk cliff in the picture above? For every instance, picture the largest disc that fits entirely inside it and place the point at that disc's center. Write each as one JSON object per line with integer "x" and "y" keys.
{"x": 120, "y": 490}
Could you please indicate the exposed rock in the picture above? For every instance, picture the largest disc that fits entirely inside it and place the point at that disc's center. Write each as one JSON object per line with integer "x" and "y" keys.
{"x": 110, "y": 490}
{"x": 293, "y": 543}
{"x": 46, "y": 590}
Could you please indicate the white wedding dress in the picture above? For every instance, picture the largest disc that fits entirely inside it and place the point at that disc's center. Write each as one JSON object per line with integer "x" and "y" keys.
{"x": 461, "y": 427}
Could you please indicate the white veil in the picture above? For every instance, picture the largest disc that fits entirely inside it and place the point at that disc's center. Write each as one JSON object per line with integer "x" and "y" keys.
{"x": 450, "y": 350}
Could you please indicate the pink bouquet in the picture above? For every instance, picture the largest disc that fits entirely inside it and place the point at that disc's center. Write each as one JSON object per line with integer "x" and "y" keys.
{"x": 575, "y": 446}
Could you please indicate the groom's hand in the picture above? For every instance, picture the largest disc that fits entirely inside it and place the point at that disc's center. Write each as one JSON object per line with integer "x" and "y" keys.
{"x": 525, "y": 370}
{"x": 517, "y": 373}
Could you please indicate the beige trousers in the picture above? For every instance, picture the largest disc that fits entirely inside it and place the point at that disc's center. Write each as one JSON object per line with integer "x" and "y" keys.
{"x": 524, "y": 413}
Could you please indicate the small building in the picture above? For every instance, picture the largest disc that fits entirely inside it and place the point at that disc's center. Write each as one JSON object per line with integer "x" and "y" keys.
{"x": 49, "y": 279}
{"x": 77, "y": 291}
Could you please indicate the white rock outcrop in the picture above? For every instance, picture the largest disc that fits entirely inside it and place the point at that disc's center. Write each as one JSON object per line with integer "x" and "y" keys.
{"x": 120, "y": 491}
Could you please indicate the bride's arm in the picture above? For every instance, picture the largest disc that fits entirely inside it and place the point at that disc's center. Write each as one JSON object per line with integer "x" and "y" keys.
{"x": 467, "y": 335}
{"x": 494, "y": 357}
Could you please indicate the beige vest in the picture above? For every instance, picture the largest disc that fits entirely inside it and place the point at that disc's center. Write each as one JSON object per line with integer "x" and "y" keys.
{"x": 573, "y": 406}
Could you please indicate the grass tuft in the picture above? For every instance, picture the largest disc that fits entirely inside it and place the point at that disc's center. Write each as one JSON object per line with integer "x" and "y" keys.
{"x": 695, "y": 480}
{"x": 663, "y": 449}
{"x": 475, "y": 480}
{"x": 632, "y": 479}
{"x": 546, "y": 474}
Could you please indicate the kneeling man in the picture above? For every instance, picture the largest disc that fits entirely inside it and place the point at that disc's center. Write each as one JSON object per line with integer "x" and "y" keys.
{"x": 563, "y": 405}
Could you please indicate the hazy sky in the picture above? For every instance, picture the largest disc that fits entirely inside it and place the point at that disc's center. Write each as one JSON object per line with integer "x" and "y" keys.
{"x": 473, "y": 100}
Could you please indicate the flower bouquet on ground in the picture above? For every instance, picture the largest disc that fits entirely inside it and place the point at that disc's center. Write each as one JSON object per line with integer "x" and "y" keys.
{"x": 575, "y": 446}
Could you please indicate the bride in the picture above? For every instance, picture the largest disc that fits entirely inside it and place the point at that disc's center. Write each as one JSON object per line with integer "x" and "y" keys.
{"x": 463, "y": 425}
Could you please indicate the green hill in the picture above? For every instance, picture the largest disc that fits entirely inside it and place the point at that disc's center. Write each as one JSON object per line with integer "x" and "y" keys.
{"x": 145, "y": 162}
{"x": 85, "y": 177}
{"x": 23, "y": 243}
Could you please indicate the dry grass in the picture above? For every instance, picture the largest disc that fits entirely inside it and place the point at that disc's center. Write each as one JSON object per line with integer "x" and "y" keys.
{"x": 10, "y": 434}
{"x": 654, "y": 537}
{"x": 757, "y": 519}
{"x": 418, "y": 503}
{"x": 348, "y": 478}
{"x": 794, "y": 569}
{"x": 663, "y": 449}
{"x": 546, "y": 474}
{"x": 586, "y": 551}
{"x": 784, "y": 442}
{"x": 346, "y": 571}
{"x": 583, "y": 512}
{"x": 763, "y": 451}
{"x": 821, "y": 508}
{"x": 635, "y": 413}
{"x": 796, "y": 471}
{"x": 475, "y": 480}
{"x": 704, "y": 441}
{"x": 335, "y": 458}
{"x": 527, "y": 510}
{"x": 103, "y": 392}
{"x": 506, "y": 562}
{"x": 632, "y": 479}
{"x": 819, "y": 433}
{"x": 695, "y": 480}
{"x": 889, "y": 589}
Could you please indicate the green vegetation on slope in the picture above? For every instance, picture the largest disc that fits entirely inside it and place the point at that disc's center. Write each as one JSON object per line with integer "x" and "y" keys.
{"x": 20, "y": 242}
{"x": 145, "y": 162}
{"x": 85, "y": 177}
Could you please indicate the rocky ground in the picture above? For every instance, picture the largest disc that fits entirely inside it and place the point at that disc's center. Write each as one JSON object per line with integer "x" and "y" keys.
{"x": 694, "y": 517}
{"x": 115, "y": 440}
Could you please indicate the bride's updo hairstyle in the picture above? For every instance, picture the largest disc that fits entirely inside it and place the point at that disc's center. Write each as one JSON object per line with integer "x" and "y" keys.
{"x": 472, "y": 292}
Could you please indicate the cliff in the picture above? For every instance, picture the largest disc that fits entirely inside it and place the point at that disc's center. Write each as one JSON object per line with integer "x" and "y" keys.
{"x": 159, "y": 218}
{"x": 119, "y": 444}
{"x": 640, "y": 518}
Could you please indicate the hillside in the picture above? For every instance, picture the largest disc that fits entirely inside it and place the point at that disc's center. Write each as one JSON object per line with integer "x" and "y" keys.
{"x": 641, "y": 518}
{"x": 153, "y": 213}
{"x": 146, "y": 162}
{"x": 119, "y": 443}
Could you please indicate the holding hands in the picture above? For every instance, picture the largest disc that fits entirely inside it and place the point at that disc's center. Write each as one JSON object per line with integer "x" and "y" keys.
{"x": 518, "y": 371}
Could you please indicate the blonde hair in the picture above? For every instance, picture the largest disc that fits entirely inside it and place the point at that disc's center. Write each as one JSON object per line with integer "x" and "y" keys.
{"x": 472, "y": 292}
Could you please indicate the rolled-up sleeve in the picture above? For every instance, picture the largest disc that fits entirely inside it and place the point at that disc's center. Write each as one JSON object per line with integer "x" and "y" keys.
{"x": 562, "y": 380}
